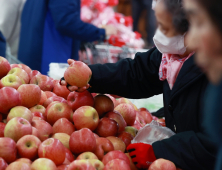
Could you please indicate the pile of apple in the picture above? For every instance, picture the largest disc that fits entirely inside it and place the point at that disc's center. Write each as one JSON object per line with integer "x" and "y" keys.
{"x": 45, "y": 126}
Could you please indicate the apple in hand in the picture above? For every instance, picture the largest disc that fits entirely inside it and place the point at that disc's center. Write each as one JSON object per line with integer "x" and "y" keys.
{"x": 11, "y": 81}
{"x": 63, "y": 125}
{"x": 20, "y": 73}
{"x": 103, "y": 104}
{"x": 107, "y": 127}
{"x": 115, "y": 155}
{"x": 17, "y": 127}
{"x": 8, "y": 149}
{"x": 2, "y": 128}
{"x": 3, "y": 164}
{"x": 18, "y": 166}
{"x": 81, "y": 165}
{"x": 20, "y": 111}
{"x": 4, "y": 67}
{"x": 87, "y": 155}
{"x": 43, "y": 163}
{"x": 60, "y": 90}
{"x": 118, "y": 144}
{"x": 52, "y": 149}
{"x": 44, "y": 82}
{"x": 117, "y": 164}
{"x": 82, "y": 141}
{"x": 63, "y": 138}
{"x": 79, "y": 99}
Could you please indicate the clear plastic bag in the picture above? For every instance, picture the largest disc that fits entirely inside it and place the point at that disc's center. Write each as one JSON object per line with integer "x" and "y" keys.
{"x": 151, "y": 133}
{"x": 57, "y": 70}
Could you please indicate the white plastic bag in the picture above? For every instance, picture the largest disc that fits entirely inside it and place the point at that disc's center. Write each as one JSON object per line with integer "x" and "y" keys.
{"x": 151, "y": 133}
{"x": 57, "y": 70}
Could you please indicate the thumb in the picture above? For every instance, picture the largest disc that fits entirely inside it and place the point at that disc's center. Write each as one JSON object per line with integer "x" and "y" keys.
{"x": 70, "y": 61}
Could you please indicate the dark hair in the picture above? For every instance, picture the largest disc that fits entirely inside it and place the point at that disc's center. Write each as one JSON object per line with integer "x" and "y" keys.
{"x": 180, "y": 20}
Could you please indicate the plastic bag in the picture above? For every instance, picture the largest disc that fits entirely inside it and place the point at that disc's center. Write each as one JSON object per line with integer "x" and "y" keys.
{"x": 151, "y": 133}
{"x": 57, "y": 70}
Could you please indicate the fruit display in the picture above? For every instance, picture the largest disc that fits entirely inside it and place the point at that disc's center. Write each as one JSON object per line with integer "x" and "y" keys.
{"x": 43, "y": 128}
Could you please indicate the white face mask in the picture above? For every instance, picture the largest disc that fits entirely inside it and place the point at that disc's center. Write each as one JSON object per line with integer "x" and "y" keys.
{"x": 154, "y": 4}
{"x": 169, "y": 45}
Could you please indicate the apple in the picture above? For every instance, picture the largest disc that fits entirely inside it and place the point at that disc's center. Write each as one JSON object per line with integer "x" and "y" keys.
{"x": 49, "y": 94}
{"x": 146, "y": 115}
{"x": 43, "y": 98}
{"x": 81, "y": 165}
{"x": 97, "y": 164}
{"x": 117, "y": 164}
{"x": 53, "y": 99}
{"x": 123, "y": 100}
{"x": 62, "y": 167}
{"x": 24, "y": 160}
{"x": 82, "y": 141}
{"x": 112, "y": 98}
{"x": 132, "y": 130}
{"x": 93, "y": 94}
{"x": 26, "y": 68}
{"x": 39, "y": 115}
{"x": 56, "y": 111}
{"x": 20, "y": 111}
{"x": 86, "y": 117}
{"x": 117, "y": 143}
{"x": 20, "y": 73}
{"x": 137, "y": 125}
{"x": 162, "y": 122}
{"x": 103, "y": 146}
{"x": 10, "y": 81}
{"x": 132, "y": 165}
{"x": 0, "y": 117}
{"x": 44, "y": 128}
{"x": 18, "y": 166}
{"x": 128, "y": 113}
{"x": 87, "y": 155}
{"x": 162, "y": 164}
{"x": 79, "y": 99}
{"x": 69, "y": 157}
{"x": 44, "y": 82}
{"x": 115, "y": 155}
{"x": 140, "y": 120}
{"x": 35, "y": 132}
{"x": 118, "y": 118}
{"x": 3, "y": 164}
{"x": 95, "y": 135}
{"x": 43, "y": 163}
{"x": 63, "y": 138}
{"x": 8, "y": 149}
{"x": 9, "y": 99}
{"x": 36, "y": 118}
{"x": 155, "y": 118}
{"x": 107, "y": 127}
{"x": 4, "y": 67}
{"x": 52, "y": 149}
{"x": 15, "y": 65}
{"x": 2, "y": 128}
{"x": 126, "y": 138}
{"x": 103, "y": 104}
{"x": 78, "y": 74}
{"x": 63, "y": 125}
{"x": 17, "y": 127}
{"x": 60, "y": 90}
{"x": 38, "y": 108}
{"x": 33, "y": 73}
{"x": 27, "y": 146}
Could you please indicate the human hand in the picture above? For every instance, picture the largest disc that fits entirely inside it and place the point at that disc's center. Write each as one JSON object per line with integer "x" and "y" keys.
{"x": 110, "y": 30}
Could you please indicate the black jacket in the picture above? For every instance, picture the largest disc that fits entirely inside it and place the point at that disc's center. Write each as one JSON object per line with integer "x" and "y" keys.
{"x": 138, "y": 78}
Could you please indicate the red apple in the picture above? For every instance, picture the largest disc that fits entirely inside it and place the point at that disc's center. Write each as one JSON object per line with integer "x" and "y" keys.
{"x": 30, "y": 94}
{"x": 115, "y": 155}
{"x": 56, "y": 111}
{"x": 60, "y": 90}
{"x": 112, "y": 98}
{"x": 20, "y": 73}
{"x": 86, "y": 117}
{"x": 77, "y": 99}
{"x": 11, "y": 81}
{"x": 95, "y": 135}
{"x": 20, "y": 111}
{"x": 87, "y": 155}
{"x": 39, "y": 115}
{"x": 63, "y": 138}
{"x": 103, "y": 146}
{"x": 36, "y": 118}
{"x": 117, "y": 164}
{"x": 146, "y": 115}
{"x": 8, "y": 149}
{"x": 35, "y": 132}
{"x": 63, "y": 125}
{"x": 9, "y": 99}
{"x": 0, "y": 117}
{"x": 132, "y": 130}
{"x": 69, "y": 157}
{"x": 107, "y": 127}
{"x": 162, "y": 164}
{"x": 52, "y": 149}
{"x": 17, "y": 127}
{"x": 93, "y": 94}
{"x": 44, "y": 128}
{"x": 162, "y": 122}
{"x": 118, "y": 144}
{"x": 155, "y": 118}
{"x": 38, "y": 108}
{"x": 2, "y": 128}
{"x": 43, "y": 163}
{"x": 140, "y": 120}
{"x": 15, "y": 65}
{"x": 118, "y": 118}
{"x": 18, "y": 166}
{"x": 33, "y": 73}
{"x": 44, "y": 82}
{"x": 128, "y": 113}
{"x": 4, "y": 67}
{"x": 137, "y": 125}
{"x": 43, "y": 98}
{"x": 81, "y": 165}
{"x": 49, "y": 94}
{"x": 97, "y": 164}
{"x": 26, "y": 68}
{"x": 28, "y": 147}
{"x": 78, "y": 74}
{"x": 132, "y": 165}
{"x": 82, "y": 141}
{"x": 126, "y": 138}
{"x": 53, "y": 99}
{"x": 103, "y": 104}
{"x": 24, "y": 160}
{"x": 62, "y": 167}
{"x": 123, "y": 100}
{"x": 3, "y": 164}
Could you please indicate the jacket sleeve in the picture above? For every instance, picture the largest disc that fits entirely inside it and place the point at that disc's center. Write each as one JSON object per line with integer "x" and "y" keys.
{"x": 66, "y": 16}
{"x": 137, "y": 78}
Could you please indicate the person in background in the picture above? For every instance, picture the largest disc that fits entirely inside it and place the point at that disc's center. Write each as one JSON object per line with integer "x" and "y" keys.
{"x": 168, "y": 68}
{"x": 205, "y": 37}
{"x": 51, "y": 32}
{"x": 2, "y": 45}
{"x": 138, "y": 6}
{"x": 10, "y": 15}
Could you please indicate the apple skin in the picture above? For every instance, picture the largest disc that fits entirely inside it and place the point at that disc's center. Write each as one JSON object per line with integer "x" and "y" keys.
{"x": 56, "y": 111}
{"x": 20, "y": 111}
{"x": 24, "y": 160}
{"x": 52, "y": 149}
{"x": 82, "y": 141}
{"x": 115, "y": 155}
{"x": 162, "y": 122}
{"x": 44, "y": 82}
{"x": 17, "y": 127}
{"x": 62, "y": 167}
{"x": 30, "y": 94}
{"x": 63, "y": 125}
{"x": 86, "y": 117}
{"x": 132, "y": 130}
{"x": 35, "y": 132}
{"x": 8, "y": 149}
{"x": 117, "y": 164}
{"x": 21, "y": 74}
{"x": 27, "y": 146}
{"x": 43, "y": 163}
{"x": 3, "y": 164}
{"x": 44, "y": 128}
{"x": 34, "y": 73}
{"x": 0, "y": 117}
{"x": 117, "y": 143}
{"x": 118, "y": 118}
{"x": 126, "y": 138}
{"x": 38, "y": 108}
{"x": 140, "y": 120}
{"x": 103, "y": 104}
{"x": 107, "y": 127}
{"x": 97, "y": 164}
{"x": 86, "y": 156}
{"x": 2, "y": 128}
{"x": 81, "y": 165}
{"x": 112, "y": 98}
{"x": 9, "y": 99}
{"x": 18, "y": 166}
{"x": 69, "y": 157}
{"x": 63, "y": 138}
{"x": 39, "y": 115}
{"x": 43, "y": 98}
{"x": 162, "y": 164}
{"x": 60, "y": 90}
{"x": 49, "y": 94}
{"x": 53, "y": 99}
{"x": 79, "y": 99}
{"x": 137, "y": 125}
{"x": 4, "y": 67}
{"x": 145, "y": 114}
{"x": 11, "y": 81}
{"x": 132, "y": 165}
{"x": 78, "y": 74}
{"x": 103, "y": 146}
{"x": 128, "y": 113}
{"x": 26, "y": 68}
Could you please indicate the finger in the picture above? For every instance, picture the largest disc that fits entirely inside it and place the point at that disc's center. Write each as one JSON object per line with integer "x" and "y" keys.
{"x": 63, "y": 83}
{"x": 81, "y": 89}
{"x": 72, "y": 88}
{"x": 70, "y": 61}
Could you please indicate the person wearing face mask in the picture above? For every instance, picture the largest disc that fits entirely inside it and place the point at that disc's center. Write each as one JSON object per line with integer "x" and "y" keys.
{"x": 168, "y": 68}
{"x": 205, "y": 37}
